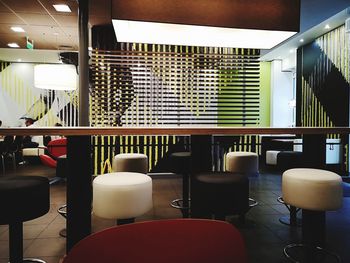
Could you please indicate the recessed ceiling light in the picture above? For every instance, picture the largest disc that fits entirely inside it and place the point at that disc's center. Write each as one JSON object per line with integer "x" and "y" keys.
{"x": 13, "y": 45}
{"x": 62, "y": 8}
{"x": 301, "y": 40}
{"x": 17, "y": 29}
{"x": 327, "y": 27}
{"x": 19, "y": 60}
{"x": 291, "y": 50}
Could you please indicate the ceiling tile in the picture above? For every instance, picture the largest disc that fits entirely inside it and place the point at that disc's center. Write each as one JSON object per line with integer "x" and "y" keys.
{"x": 67, "y": 20}
{"x": 37, "y": 19}
{"x": 26, "y": 6}
{"x": 10, "y": 18}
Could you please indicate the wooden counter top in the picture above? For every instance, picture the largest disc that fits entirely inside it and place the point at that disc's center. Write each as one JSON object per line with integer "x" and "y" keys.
{"x": 189, "y": 130}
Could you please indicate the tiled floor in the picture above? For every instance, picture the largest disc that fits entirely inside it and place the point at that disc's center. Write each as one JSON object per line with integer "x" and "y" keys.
{"x": 265, "y": 237}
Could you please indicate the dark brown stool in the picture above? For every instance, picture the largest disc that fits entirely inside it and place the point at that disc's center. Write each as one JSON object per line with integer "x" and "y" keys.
{"x": 22, "y": 198}
{"x": 220, "y": 194}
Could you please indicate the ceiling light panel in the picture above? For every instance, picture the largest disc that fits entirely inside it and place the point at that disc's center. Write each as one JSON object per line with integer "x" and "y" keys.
{"x": 62, "y": 8}
{"x": 176, "y": 34}
{"x": 17, "y": 29}
{"x": 13, "y": 45}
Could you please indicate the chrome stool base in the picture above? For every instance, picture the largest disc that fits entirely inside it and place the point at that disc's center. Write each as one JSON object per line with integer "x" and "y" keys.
{"x": 33, "y": 260}
{"x": 292, "y": 219}
{"x": 286, "y": 221}
{"x": 302, "y": 253}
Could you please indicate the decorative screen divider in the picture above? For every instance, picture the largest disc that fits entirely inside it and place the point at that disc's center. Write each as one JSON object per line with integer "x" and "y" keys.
{"x": 149, "y": 85}
{"x": 324, "y": 83}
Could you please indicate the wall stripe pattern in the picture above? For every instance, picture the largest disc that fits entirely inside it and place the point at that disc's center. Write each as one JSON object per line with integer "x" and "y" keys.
{"x": 143, "y": 84}
{"x": 323, "y": 84}
{"x": 47, "y": 107}
{"x": 336, "y": 46}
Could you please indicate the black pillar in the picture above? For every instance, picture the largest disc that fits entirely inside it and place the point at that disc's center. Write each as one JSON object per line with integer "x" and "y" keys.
{"x": 79, "y": 190}
{"x": 201, "y": 153}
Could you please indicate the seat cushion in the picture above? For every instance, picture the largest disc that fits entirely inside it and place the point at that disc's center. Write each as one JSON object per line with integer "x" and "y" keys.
{"x": 271, "y": 157}
{"x": 130, "y": 162}
{"x": 33, "y": 151}
{"x": 122, "y": 195}
{"x": 312, "y": 189}
{"x": 181, "y": 162}
{"x": 23, "y": 198}
{"x": 242, "y": 162}
{"x": 219, "y": 193}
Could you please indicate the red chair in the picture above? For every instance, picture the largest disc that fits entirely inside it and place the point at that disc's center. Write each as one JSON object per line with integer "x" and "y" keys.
{"x": 170, "y": 241}
{"x": 55, "y": 149}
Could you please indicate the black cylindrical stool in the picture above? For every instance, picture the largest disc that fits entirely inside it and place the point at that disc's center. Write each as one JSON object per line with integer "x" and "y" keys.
{"x": 22, "y": 198}
{"x": 181, "y": 162}
{"x": 219, "y": 194}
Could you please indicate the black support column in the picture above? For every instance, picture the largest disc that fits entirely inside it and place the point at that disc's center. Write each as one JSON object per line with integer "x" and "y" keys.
{"x": 79, "y": 189}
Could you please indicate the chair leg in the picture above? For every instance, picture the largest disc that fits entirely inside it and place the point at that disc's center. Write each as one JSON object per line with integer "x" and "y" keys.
{"x": 16, "y": 242}
{"x": 3, "y": 164}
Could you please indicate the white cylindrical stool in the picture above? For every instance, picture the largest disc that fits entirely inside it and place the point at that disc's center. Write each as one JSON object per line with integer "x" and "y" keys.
{"x": 242, "y": 162}
{"x": 315, "y": 191}
{"x": 130, "y": 162}
{"x": 122, "y": 196}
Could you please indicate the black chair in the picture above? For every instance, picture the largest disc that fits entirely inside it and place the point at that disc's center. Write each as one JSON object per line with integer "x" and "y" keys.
{"x": 22, "y": 198}
{"x": 8, "y": 152}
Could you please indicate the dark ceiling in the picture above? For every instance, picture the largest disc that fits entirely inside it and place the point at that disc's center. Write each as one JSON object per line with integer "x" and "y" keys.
{"x": 48, "y": 28}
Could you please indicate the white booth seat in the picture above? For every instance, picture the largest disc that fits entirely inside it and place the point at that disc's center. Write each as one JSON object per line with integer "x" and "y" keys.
{"x": 271, "y": 157}
{"x": 36, "y": 151}
{"x": 122, "y": 195}
{"x": 130, "y": 162}
{"x": 312, "y": 189}
{"x": 333, "y": 151}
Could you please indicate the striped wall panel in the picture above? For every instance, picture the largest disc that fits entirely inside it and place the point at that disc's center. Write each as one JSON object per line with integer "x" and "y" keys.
{"x": 143, "y": 84}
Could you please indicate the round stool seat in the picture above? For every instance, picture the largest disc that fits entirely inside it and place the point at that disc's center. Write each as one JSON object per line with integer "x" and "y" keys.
{"x": 23, "y": 198}
{"x": 131, "y": 162}
{"x": 242, "y": 162}
{"x": 122, "y": 195}
{"x": 271, "y": 157}
{"x": 312, "y": 189}
{"x": 181, "y": 162}
{"x": 220, "y": 193}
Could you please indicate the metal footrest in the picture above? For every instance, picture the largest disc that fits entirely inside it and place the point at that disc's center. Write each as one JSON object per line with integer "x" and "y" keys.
{"x": 302, "y": 253}
{"x": 62, "y": 210}
{"x": 252, "y": 203}
{"x": 33, "y": 260}
{"x": 178, "y": 204}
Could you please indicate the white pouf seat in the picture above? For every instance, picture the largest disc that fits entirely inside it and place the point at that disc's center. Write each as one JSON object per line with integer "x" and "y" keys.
{"x": 315, "y": 191}
{"x": 271, "y": 157}
{"x": 242, "y": 162}
{"x": 130, "y": 162}
{"x": 122, "y": 195}
{"x": 312, "y": 189}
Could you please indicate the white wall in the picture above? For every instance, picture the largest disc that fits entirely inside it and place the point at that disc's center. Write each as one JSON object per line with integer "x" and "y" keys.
{"x": 281, "y": 94}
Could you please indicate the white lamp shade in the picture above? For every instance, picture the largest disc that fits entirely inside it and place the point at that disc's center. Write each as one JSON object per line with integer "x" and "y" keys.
{"x": 56, "y": 77}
